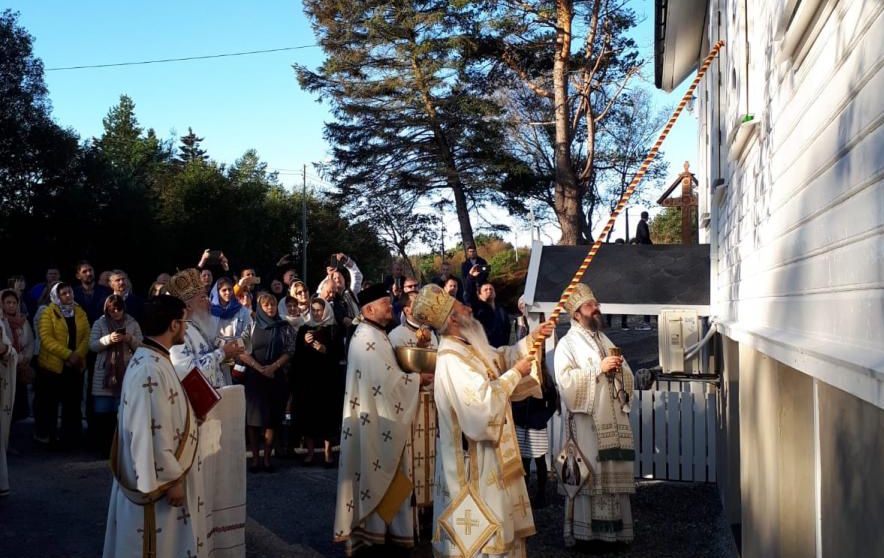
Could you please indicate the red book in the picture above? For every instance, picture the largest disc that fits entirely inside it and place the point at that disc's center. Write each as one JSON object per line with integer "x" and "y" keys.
{"x": 202, "y": 395}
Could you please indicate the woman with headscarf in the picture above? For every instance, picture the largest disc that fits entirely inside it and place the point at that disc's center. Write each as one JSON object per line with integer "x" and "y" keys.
{"x": 115, "y": 336}
{"x": 234, "y": 320}
{"x": 64, "y": 343}
{"x": 297, "y": 291}
{"x": 317, "y": 386}
{"x": 22, "y": 337}
{"x": 269, "y": 343}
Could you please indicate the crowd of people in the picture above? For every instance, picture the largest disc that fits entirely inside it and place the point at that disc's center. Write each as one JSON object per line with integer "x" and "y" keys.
{"x": 302, "y": 356}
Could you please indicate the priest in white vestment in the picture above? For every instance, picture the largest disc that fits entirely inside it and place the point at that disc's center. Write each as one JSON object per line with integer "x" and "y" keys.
{"x": 480, "y": 505}
{"x": 422, "y": 466}
{"x": 8, "y": 375}
{"x": 222, "y": 446}
{"x": 157, "y": 499}
{"x": 595, "y": 388}
{"x": 374, "y": 492}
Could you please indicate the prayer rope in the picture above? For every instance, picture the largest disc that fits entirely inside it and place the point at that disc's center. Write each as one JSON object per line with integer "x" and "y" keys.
{"x": 649, "y": 158}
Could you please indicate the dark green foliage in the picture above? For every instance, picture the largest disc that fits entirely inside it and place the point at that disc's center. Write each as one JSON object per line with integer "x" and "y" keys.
{"x": 410, "y": 117}
{"x": 123, "y": 201}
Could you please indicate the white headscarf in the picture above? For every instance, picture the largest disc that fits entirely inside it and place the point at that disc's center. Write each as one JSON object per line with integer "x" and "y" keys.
{"x": 67, "y": 310}
{"x": 328, "y": 315}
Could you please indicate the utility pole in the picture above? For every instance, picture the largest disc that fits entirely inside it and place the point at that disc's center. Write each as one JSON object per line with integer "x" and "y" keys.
{"x": 304, "y": 225}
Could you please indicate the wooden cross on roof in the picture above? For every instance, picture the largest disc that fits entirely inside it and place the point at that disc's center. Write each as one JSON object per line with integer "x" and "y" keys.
{"x": 685, "y": 202}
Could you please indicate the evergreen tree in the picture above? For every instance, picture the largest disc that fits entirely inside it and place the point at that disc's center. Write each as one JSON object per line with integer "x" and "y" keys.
{"x": 190, "y": 150}
{"x": 409, "y": 116}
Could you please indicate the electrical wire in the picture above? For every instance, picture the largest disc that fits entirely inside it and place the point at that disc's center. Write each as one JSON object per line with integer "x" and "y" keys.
{"x": 184, "y": 59}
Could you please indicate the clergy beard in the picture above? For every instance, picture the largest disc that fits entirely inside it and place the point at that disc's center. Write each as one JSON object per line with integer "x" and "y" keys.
{"x": 471, "y": 329}
{"x": 593, "y": 323}
{"x": 203, "y": 320}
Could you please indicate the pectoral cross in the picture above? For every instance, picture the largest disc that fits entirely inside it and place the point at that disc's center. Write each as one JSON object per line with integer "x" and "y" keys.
{"x": 467, "y": 522}
{"x": 150, "y": 385}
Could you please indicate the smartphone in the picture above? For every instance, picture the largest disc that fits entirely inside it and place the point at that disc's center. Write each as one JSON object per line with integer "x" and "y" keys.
{"x": 121, "y": 331}
{"x": 484, "y": 268}
{"x": 333, "y": 261}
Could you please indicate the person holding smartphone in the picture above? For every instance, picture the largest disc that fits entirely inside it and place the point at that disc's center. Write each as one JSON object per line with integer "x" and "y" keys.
{"x": 115, "y": 337}
{"x": 474, "y": 271}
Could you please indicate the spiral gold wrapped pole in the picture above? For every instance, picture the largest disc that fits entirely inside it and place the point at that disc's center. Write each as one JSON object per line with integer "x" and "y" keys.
{"x": 539, "y": 340}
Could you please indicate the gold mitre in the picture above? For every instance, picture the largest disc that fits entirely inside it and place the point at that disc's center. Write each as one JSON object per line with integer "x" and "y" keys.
{"x": 186, "y": 284}
{"x": 581, "y": 294}
{"x": 432, "y": 306}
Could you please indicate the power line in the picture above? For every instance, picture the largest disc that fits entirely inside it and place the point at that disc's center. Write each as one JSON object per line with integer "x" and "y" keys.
{"x": 185, "y": 59}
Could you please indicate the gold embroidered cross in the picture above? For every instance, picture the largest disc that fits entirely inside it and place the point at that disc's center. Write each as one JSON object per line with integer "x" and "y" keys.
{"x": 493, "y": 480}
{"x": 467, "y": 522}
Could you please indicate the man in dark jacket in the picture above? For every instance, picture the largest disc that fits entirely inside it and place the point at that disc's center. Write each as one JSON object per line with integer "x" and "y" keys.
{"x": 642, "y": 231}
{"x": 494, "y": 319}
{"x": 474, "y": 272}
{"x": 89, "y": 294}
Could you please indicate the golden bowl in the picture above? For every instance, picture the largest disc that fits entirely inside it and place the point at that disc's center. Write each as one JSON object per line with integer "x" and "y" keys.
{"x": 415, "y": 360}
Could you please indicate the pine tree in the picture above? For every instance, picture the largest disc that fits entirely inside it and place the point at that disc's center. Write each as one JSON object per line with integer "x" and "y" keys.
{"x": 409, "y": 115}
{"x": 189, "y": 150}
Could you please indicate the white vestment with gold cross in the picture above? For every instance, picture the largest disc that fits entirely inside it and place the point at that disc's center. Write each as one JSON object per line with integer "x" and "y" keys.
{"x": 152, "y": 422}
{"x": 379, "y": 408}
{"x": 422, "y": 465}
{"x": 602, "y": 510}
{"x": 481, "y": 505}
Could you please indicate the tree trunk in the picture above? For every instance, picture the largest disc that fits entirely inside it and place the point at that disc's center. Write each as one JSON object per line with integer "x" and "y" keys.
{"x": 567, "y": 189}
{"x": 447, "y": 159}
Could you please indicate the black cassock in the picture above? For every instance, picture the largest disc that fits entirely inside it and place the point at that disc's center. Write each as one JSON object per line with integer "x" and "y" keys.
{"x": 318, "y": 383}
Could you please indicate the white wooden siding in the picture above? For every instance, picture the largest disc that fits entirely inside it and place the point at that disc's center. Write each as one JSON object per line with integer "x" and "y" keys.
{"x": 799, "y": 232}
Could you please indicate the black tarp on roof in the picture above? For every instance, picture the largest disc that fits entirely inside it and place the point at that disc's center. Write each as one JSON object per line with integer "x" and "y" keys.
{"x": 671, "y": 274}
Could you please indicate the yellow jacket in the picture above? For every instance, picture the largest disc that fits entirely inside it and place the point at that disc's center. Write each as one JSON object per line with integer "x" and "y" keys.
{"x": 54, "y": 338}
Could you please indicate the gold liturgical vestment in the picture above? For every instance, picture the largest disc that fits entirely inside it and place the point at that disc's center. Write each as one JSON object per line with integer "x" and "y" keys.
{"x": 480, "y": 504}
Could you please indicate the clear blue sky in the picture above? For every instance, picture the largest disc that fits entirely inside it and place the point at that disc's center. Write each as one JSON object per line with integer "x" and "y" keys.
{"x": 234, "y": 103}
